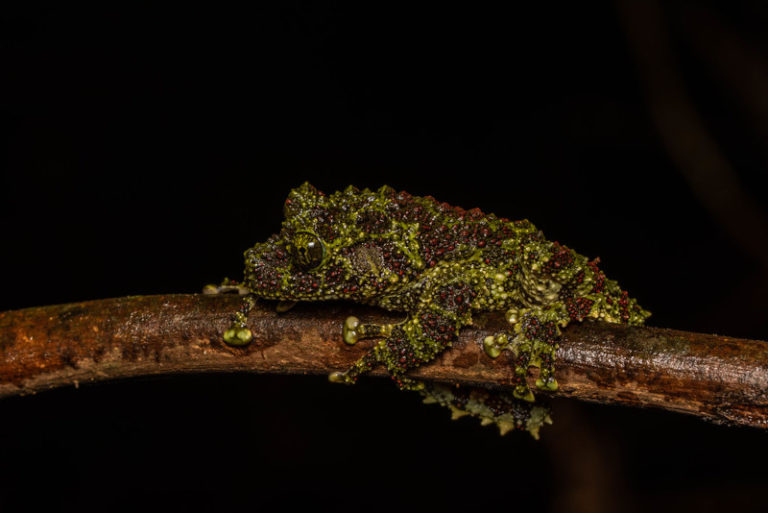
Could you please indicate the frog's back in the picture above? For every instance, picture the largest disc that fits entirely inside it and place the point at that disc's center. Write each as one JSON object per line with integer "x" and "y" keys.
{"x": 447, "y": 232}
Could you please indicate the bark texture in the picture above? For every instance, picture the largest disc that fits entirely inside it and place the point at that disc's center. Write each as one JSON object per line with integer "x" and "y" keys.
{"x": 718, "y": 378}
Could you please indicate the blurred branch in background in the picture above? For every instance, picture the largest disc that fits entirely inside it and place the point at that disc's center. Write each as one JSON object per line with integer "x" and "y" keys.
{"x": 693, "y": 149}
{"x": 720, "y": 379}
{"x": 695, "y": 152}
{"x": 735, "y": 62}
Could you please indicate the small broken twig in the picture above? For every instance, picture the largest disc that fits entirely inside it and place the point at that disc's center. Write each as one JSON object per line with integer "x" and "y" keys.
{"x": 721, "y": 379}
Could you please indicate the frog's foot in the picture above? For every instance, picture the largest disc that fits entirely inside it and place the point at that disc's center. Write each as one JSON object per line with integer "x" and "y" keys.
{"x": 227, "y": 287}
{"x": 546, "y": 379}
{"x": 404, "y": 346}
{"x": 360, "y": 367}
{"x": 496, "y": 407}
{"x": 353, "y": 330}
{"x": 532, "y": 343}
{"x": 494, "y": 345}
{"x": 533, "y": 353}
{"x": 238, "y": 333}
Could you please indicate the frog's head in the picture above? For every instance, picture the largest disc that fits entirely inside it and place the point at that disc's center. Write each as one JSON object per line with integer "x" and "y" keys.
{"x": 343, "y": 246}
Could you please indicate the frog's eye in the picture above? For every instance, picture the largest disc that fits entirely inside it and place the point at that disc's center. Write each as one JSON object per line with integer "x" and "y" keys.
{"x": 308, "y": 251}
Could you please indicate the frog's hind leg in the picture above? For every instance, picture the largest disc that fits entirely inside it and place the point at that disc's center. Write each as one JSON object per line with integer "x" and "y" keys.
{"x": 370, "y": 360}
{"x": 238, "y": 333}
{"x": 497, "y": 407}
{"x": 406, "y": 345}
{"x": 352, "y": 332}
{"x": 419, "y": 340}
{"x": 532, "y": 342}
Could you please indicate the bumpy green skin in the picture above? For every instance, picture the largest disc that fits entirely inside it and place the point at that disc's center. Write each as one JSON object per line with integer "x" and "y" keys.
{"x": 439, "y": 264}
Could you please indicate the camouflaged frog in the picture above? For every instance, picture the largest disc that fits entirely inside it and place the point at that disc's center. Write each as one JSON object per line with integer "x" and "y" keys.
{"x": 438, "y": 264}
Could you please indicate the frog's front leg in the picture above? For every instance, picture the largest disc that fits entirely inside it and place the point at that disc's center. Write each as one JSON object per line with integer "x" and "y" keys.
{"x": 532, "y": 342}
{"x": 238, "y": 333}
{"x": 413, "y": 342}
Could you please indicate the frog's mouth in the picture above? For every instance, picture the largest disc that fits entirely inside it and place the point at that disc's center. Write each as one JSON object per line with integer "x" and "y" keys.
{"x": 286, "y": 284}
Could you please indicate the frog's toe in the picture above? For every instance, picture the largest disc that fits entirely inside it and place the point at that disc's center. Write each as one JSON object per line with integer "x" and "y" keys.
{"x": 490, "y": 346}
{"x": 350, "y": 332}
{"x": 341, "y": 377}
{"x": 237, "y": 336}
{"x": 210, "y": 289}
{"x": 547, "y": 379}
{"x": 524, "y": 393}
{"x": 549, "y": 384}
{"x": 493, "y": 346}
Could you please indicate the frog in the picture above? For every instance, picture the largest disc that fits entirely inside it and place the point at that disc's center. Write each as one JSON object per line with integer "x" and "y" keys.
{"x": 439, "y": 265}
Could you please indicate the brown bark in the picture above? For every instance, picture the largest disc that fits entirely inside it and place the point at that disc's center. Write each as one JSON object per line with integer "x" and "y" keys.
{"x": 721, "y": 379}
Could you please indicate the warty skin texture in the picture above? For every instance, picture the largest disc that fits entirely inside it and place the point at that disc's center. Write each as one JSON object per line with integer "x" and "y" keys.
{"x": 439, "y": 264}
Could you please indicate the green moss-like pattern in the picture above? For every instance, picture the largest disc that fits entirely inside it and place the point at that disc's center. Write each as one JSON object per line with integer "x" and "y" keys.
{"x": 439, "y": 264}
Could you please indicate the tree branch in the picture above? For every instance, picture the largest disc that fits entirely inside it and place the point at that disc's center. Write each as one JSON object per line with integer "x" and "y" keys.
{"x": 721, "y": 379}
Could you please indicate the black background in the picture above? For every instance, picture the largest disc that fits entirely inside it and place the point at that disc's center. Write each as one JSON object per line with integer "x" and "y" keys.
{"x": 145, "y": 147}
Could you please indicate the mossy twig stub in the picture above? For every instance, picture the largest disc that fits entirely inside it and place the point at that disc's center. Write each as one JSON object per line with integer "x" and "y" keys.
{"x": 721, "y": 379}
